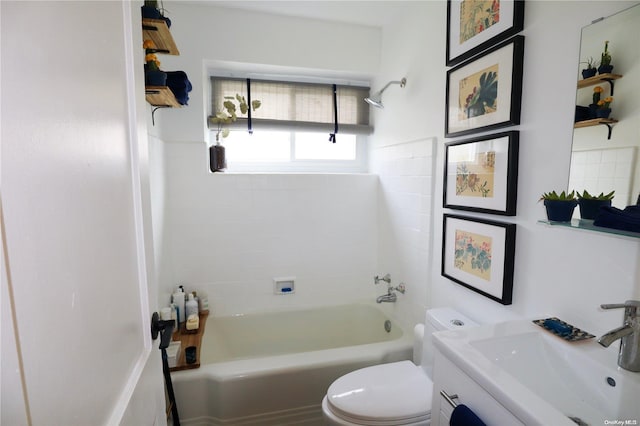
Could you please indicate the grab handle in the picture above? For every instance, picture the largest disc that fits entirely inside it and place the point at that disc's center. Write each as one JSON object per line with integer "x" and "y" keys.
{"x": 449, "y": 398}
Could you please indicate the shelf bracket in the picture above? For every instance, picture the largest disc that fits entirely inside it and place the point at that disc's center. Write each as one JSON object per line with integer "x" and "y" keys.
{"x": 610, "y": 81}
{"x": 610, "y": 127}
{"x": 153, "y": 111}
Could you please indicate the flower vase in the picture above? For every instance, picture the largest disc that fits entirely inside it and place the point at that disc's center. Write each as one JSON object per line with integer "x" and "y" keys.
{"x": 603, "y": 112}
{"x": 588, "y": 72}
{"x": 217, "y": 158}
{"x": 155, "y": 78}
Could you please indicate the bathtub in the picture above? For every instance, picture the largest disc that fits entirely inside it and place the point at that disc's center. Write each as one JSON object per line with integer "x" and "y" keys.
{"x": 274, "y": 368}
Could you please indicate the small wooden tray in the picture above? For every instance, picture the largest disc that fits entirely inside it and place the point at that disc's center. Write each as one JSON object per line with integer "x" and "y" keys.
{"x": 190, "y": 339}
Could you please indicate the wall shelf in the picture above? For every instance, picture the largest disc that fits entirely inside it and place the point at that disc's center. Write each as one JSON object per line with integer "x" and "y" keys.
{"x": 596, "y": 122}
{"x": 161, "y": 96}
{"x": 587, "y": 225}
{"x": 157, "y": 30}
{"x": 597, "y": 79}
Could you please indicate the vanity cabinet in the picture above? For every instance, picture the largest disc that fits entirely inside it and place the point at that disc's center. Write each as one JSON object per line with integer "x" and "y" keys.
{"x": 449, "y": 378}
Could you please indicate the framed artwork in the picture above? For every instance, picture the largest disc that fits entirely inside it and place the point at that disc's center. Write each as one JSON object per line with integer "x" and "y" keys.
{"x": 481, "y": 174}
{"x": 475, "y": 25}
{"x": 479, "y": 255}
{"x": 485, "y": 93}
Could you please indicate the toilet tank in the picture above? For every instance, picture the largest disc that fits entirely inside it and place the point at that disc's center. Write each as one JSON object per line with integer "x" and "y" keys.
{"x": 439, "y": 319}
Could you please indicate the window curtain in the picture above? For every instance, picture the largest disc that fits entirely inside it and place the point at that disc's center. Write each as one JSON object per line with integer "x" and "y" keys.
{"x": 292, "y": 106}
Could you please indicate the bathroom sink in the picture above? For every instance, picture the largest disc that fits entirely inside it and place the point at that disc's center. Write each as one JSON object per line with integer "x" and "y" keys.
{"x": 543, "y": 379}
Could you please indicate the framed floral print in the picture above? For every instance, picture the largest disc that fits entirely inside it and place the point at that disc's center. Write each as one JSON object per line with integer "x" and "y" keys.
{"x": 479, "y": 255}
{"x": 486, "y": 92}
{"x": 475, "y": 25}
{"x": 481, "y": 174}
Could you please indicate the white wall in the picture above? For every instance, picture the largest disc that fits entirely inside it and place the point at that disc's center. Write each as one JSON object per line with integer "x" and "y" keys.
{"x": 560, "y": 272}
{"x": 211, "y": 36}
{"x": 229, "y": 235}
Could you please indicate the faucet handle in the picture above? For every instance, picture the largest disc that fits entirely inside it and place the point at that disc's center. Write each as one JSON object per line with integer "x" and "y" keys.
{"x": 386, "y": 278}
{"x": 627, "y": 304}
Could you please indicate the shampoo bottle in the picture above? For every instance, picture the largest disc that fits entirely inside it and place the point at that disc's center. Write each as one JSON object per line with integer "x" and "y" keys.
{"x": 178, "y": 300}
{"x": 191, "y": 306}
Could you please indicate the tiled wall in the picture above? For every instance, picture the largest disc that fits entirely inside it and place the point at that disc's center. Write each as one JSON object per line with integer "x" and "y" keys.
{"x": 602, "y": 170}
{"x": 405, "y": 206}
{"x": 229, "y": 234}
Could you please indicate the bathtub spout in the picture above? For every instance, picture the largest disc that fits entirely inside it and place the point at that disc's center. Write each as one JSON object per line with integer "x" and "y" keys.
{"x": 389, "y": 297}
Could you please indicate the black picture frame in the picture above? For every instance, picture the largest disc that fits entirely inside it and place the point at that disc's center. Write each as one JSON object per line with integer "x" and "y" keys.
{"x": 491, "y": 105}
{"x": 481, "y": 174}
{"x": 510, "y": 23}
{"x": 479, "y": 255}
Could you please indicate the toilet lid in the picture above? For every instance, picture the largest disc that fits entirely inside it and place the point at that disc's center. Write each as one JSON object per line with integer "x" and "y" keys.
{"x": 393, "y": 393}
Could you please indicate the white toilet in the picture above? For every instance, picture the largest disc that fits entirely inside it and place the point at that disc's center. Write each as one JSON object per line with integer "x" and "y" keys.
{"x": 398, "y": 393}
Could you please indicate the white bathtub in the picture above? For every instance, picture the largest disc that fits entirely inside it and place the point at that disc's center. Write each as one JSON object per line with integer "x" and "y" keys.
{"x": 274, "y": 368}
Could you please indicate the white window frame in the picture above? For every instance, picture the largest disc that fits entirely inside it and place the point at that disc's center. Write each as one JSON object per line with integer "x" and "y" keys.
{"x": 359, "y": 165}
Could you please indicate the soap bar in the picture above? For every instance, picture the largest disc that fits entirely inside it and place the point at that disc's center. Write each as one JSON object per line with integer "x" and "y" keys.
{"x": 193, "y": 322}
{"x": 557, "y": 326}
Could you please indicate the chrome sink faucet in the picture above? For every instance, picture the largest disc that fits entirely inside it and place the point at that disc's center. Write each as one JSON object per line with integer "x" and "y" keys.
{"x": 628, "y": 333}
{"x": 390, "y": 296}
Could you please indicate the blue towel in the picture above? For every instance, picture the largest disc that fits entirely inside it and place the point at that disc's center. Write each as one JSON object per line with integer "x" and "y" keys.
{"x": 180, "y": 85}
{"x": 626, "y": 220}
{"x": 463, "y": 416}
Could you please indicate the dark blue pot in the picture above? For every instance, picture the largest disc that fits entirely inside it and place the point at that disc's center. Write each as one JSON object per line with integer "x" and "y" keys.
{"x": 155, "y": 78}
{"x": 150, "y": 12}
{"x": 605, "y": 69}
{"x": 589, "y": 72}
{"x": 593, "y": 109}
{"x": 603, "y": 112}
{"x": 589, "y": 209}
{"x": 560, "y": 211}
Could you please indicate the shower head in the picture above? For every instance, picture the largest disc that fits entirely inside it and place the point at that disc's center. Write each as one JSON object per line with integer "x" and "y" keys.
{"x": 376, "y": 98}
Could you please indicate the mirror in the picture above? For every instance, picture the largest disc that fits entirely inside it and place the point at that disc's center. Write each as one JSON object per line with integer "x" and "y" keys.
{"x": 598, "y": 163}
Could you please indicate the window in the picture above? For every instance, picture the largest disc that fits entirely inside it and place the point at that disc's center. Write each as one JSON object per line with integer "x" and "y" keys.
{"x": 292, "y": 127}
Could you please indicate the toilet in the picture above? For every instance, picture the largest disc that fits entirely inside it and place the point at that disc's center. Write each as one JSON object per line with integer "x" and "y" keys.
{"x": 397, "y": 393}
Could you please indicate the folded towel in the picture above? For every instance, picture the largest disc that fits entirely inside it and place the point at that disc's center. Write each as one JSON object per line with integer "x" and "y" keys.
{"x": 626, "y": 220}
{"x": 463, "y": 416}
{"x": 180, "y": 85}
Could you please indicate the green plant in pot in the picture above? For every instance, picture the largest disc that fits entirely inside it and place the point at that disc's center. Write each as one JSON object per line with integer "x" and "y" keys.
{"x": 559, "y": 206}
{"x": 591, "y": 68}
{"x": 605, "y": 60}
{"x": 590, "y": 204}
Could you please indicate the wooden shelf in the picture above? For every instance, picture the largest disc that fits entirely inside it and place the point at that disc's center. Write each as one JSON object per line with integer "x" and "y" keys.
{"x": 189, "y": 339}
{"x": 157, "y": 30}
{"x": 594, "y": 122}
{"x": 597, "y": 79}
{"x": 161, "y": 96}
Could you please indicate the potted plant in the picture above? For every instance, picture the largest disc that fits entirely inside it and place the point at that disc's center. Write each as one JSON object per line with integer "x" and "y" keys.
{"x": 604, "y": 109}
{"x": 227, "y": 115}
{"x": 590, "y": 204}
{"x": 559, "y": 206}
{"x": 605, "y": 60}
{"x": 593, "y": 107}
{"x": 152, "y": 73}
{"x": 591, "y": 68}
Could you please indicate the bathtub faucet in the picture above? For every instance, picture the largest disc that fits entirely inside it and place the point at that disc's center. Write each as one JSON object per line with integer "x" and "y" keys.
{"x": 391, "y": 296}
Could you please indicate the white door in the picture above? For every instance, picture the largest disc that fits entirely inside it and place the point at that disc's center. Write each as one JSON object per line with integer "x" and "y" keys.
{"x": 77, "y": 293}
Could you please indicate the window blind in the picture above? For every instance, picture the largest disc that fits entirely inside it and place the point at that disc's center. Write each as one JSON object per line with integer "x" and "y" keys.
{"x": 293, "y": 106}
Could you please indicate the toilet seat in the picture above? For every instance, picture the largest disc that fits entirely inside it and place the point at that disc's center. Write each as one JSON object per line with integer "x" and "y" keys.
{"x": 382, "y": 395}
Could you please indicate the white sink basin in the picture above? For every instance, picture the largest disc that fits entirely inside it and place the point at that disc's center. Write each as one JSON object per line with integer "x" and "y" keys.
{"x": 543, "y": 379}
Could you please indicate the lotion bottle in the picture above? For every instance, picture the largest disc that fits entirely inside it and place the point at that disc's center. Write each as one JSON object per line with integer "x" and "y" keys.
{"x": 178, "y": 300}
